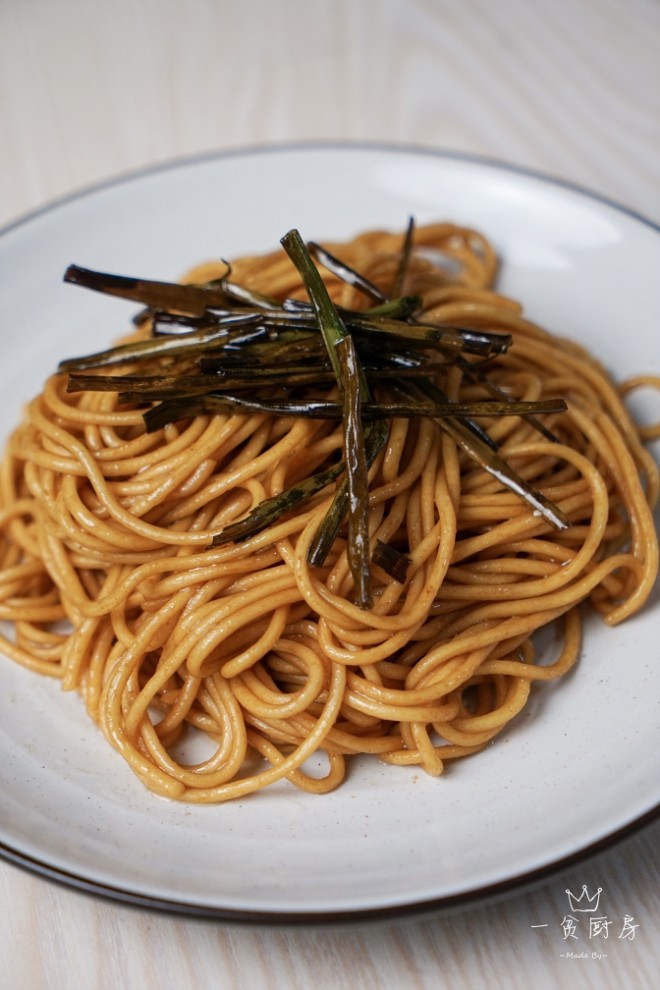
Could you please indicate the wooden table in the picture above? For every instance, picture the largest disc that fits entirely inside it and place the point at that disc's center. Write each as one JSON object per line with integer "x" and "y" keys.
{"x": 89, "y": 90}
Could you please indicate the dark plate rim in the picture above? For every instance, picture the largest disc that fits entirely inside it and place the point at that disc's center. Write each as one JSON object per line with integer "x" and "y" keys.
{"x": 422, "y": 909}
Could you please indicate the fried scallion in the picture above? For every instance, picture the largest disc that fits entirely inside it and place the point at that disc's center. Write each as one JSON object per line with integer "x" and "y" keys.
{"x": 223, "y": 348}
{"x": 477, "y": 376}
{"x": 391, "y": 560}
{"x": 193, "y": 299}
{"x": 352, "y": 496}
{"x": 473, "y": 445}
{"x": 164, "y": 346}
{"x": 345, "y": 272}
{"x": 357, "y": 480}
{"x": 156, "y": 388}
{"x": 404, "y": 260}
{"x": 272, "y": 509}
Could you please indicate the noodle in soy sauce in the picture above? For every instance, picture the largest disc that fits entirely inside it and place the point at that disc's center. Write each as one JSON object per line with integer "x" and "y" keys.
{"x": 150, "y": 560}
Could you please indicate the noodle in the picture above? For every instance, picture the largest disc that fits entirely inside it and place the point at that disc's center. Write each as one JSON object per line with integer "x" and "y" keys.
{"x": 217, "y": 670}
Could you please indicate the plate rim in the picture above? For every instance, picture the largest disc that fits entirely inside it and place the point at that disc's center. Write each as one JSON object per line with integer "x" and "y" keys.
{"x": 450, "y": 154}
{"x": 420, "y": 909}
{"x": 428, "y": 906}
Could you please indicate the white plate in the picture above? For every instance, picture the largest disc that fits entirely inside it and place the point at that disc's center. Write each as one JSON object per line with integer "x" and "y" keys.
{"x": 580, "y": 766}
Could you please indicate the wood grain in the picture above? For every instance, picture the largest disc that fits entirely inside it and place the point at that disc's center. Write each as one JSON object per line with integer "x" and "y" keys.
{"x": 89, "y": 90}
{"x": 53, "y": 937}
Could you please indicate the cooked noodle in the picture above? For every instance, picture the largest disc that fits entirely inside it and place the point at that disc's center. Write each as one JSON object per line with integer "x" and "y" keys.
{"x": 110, "y": 584}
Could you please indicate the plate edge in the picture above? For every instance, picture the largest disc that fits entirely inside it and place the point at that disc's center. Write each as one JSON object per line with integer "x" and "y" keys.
{"x": 221, "y": 154}
{"x": 477, "y": 897}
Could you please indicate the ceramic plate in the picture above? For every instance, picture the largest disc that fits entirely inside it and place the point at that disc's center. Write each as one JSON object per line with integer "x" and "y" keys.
{"x": 577, "y": 769}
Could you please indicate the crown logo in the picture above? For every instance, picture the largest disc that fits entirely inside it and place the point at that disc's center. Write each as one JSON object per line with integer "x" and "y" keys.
{"x": 584, "y": 902}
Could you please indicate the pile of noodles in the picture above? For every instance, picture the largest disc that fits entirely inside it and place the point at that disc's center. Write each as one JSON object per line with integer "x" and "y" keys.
{"x": 109, "y": 581}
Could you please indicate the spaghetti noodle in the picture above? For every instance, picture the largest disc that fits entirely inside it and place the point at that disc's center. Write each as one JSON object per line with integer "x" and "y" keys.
{"x": 218, "y": 668}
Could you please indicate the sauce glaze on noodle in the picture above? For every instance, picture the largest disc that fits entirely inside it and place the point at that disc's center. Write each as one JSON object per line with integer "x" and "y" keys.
{"x": 109, "y": 582}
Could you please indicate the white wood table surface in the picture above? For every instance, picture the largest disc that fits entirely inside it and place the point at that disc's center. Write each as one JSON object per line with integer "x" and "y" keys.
{"x": 90, "y": 90}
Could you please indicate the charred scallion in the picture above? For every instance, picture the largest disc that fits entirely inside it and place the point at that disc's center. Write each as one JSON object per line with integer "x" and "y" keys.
{"x": 354, "y": 488}
{"x": 272, "y": 509}
{"x": 224, "y": 348}
{"x": 491, "y": 462}
{"x": 357, "y": 481}
{"x": 193, "y": 299}
{"x": 391, "y": 560}
{"x": 345, "y": 272}
{"x": 404, "y": 260}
